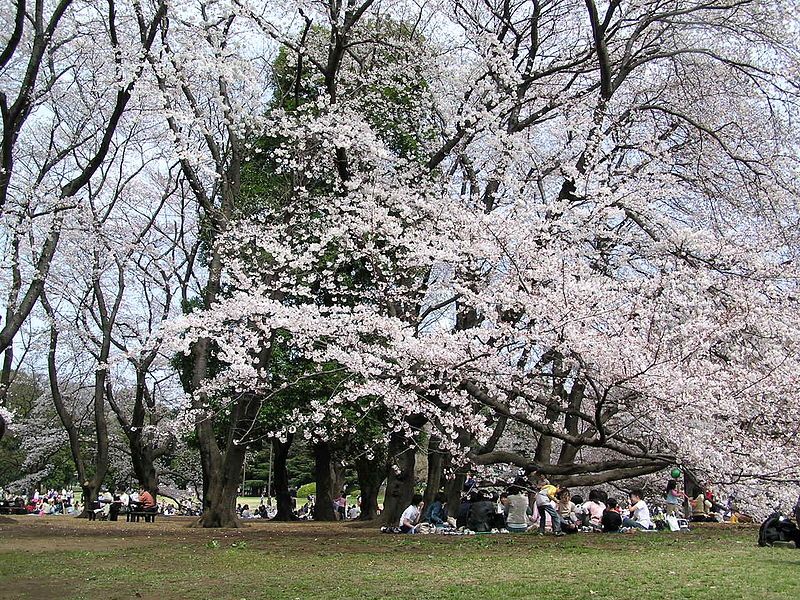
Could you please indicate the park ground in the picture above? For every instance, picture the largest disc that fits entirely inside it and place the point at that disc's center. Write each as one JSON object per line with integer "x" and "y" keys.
{"x": 67, "y": 558}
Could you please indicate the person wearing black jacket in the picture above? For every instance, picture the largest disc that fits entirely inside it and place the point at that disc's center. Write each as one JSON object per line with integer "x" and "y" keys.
{"x": 611, "y": 519}
{"x": 482, "y": 514}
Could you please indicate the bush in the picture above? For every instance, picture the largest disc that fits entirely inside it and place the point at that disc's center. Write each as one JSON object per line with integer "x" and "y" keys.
{"x": 305, "y": 490}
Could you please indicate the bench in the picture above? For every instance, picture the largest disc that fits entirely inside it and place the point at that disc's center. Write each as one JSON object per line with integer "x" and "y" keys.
{"x": 95, "y": 512}
{"x": 148, "y": 515}
{"x": 135, "y": 513}
{"x": 11, "y": 508}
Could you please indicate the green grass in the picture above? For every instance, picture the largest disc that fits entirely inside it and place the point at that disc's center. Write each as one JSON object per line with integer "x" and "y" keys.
{"x": 109, "y": 560}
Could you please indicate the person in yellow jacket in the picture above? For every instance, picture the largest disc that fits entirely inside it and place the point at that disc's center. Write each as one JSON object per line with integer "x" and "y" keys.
{"x": 544, "y": 499}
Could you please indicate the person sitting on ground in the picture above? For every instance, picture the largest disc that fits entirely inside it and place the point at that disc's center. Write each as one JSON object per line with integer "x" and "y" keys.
{"x": 463, "y": 509}
{"x": 544, "y": 498}
{"x": 354, "y": 512}
{"x": 410, "y": 517}
{"x": 502, "y": 505}
{"x": 674, "y": 498}
{"x": 701, "y": 506}
{"x": 639, "y": 513}
{"x": 577, "y": 500}
{"x": 437, "y": 512}
{"x": 611, "y": 520}
{"x": 518, "y": 507}
{"x": 246, "y": 514}
{"x": 593, "y": 510}
{"x": 566, "y": 511}
{"x": 481, "y": 513}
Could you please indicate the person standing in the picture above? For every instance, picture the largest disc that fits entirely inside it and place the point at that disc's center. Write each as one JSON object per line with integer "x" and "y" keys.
{"x": 544, "y": 499}
{"x": 674, "y": 498}
{"x": 341, "y": 506}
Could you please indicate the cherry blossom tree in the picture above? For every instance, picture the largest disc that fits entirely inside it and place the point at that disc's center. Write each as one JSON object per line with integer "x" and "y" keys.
{"x": 598, "y": 244}
{"x": 69, "y": 71}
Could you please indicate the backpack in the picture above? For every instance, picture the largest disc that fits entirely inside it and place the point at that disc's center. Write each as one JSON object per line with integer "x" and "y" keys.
{"x": 777, "y": 528}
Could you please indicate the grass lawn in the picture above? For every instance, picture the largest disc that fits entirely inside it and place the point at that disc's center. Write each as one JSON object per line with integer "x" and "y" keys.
{"x": 66, "y": 558}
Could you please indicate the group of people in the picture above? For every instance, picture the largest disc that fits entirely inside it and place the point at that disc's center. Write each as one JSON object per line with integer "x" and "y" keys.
{"x": 52, "y": 502}
{"x": 111, "y": 503}
{"x": 700, "y": 508}
{"x": 528, "y": 506}
{"x": 342, "y": 509}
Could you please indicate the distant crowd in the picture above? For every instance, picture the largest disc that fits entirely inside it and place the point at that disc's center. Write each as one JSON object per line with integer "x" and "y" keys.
{"x": 52, "y": 502}
{"x": 343, "y": 510}
{"x": 108, "y": 505}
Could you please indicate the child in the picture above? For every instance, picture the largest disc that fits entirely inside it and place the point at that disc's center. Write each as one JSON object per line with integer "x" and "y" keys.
{"x": 410, "y": 517}
{"x": 544, "y": 497}
{"x": 593, "y": 509}
{"x": 611, "y": 520}
{"x": 566, "y": 510}
{"x": 674, "y": 498}
{"x": 639, "y": 514}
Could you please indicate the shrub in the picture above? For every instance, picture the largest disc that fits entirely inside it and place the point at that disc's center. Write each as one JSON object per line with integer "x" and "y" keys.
{"x": 305, "y": 490}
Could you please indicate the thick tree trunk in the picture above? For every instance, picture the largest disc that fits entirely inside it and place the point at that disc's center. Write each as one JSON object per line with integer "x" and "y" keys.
{"x": 90, "y": 491}
{"x": 571, "y": 423}
{"x": 219, "y": 503}
{"x": 338, "y": 482}
{"x": 453, "y": 490}
{"x": 323, "y": 506}
{"x": 143, "y": 468}
{"x": 400, "y": 481}
{"x": 280, "y": 482}
{"x": 370, "y": 476}
{"x": 435, "y": 468}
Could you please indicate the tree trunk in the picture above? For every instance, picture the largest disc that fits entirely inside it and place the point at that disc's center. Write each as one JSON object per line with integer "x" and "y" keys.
{"x": 143, "y": 467}
{"x": 90, "y": 490}
{"x": 571, "y": 423}
{"x": 453, "y": 491}
{"x": 280, "y": 453}
{"x": 370, "y": 476}
{"x": 400, "y": 481}
{"x": 219, "y": 502}
{"x": 323, "y": 505}
{"x": 435, "y": 468}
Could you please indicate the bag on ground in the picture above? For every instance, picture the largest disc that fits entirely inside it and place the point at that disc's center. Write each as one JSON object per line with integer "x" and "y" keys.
{"x": 777, "y": 528}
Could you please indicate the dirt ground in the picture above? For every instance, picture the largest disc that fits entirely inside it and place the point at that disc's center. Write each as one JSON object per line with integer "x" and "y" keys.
{"x": 33, "y": 534}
